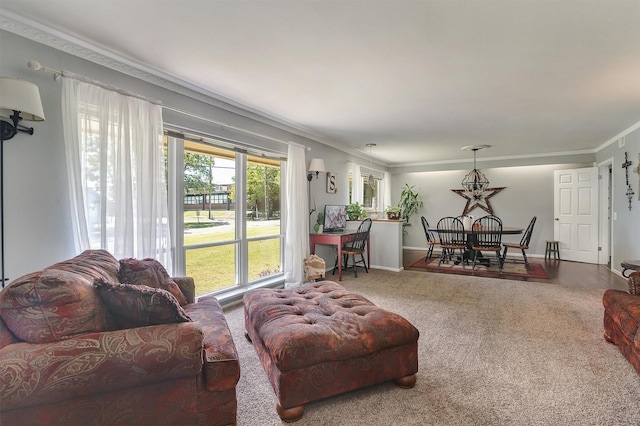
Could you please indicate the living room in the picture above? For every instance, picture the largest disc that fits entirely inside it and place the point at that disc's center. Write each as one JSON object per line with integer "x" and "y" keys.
{"x": 36, "y": 213}
{"x": 528, "y": 180}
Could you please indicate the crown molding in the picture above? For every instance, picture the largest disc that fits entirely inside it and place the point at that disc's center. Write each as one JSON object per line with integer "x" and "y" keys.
{"x": 58, "y": 40}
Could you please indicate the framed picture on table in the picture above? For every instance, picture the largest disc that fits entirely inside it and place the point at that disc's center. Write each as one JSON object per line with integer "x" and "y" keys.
{"x": 332, "y": 186}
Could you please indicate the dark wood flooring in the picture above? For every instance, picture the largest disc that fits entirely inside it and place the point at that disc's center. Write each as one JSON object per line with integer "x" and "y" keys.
{"x": 570, "y": 274}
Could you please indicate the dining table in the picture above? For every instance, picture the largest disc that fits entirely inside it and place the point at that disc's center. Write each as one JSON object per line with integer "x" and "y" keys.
{"x": 469, "y": 232}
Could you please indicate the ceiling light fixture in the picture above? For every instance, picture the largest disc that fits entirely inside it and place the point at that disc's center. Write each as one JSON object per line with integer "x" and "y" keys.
{"x": 475, "y": 183}
{"x": 371, "y": 180}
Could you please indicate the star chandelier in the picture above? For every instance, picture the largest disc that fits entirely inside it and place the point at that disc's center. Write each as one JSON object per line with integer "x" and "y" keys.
{"x": 475, "y": 183}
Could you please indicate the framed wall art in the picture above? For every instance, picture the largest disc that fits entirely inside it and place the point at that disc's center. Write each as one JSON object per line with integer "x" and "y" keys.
{"x": 332, "y": 187}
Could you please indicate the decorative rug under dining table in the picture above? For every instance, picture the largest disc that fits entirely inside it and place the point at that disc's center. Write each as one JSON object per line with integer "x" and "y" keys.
{"x": 511, "y": 270}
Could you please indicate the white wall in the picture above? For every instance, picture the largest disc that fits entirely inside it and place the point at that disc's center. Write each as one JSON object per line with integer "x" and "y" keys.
{"x": 36, "y": 199}
{"x": 626, "y": 226}
{"x": 528, "y": 192}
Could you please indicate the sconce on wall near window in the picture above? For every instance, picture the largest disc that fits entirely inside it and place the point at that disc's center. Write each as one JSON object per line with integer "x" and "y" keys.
{"x": 316, "y": 166}
{"x": 19, "y": 100}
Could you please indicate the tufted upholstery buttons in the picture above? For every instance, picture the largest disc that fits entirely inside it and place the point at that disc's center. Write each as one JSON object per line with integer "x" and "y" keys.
{"x": 322, "y": 322}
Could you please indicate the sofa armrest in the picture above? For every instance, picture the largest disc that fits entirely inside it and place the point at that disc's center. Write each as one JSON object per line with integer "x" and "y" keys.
{"x": 221, "y": 365}
{"x": 32, "y": 374}
{"x": 187, "y": 286}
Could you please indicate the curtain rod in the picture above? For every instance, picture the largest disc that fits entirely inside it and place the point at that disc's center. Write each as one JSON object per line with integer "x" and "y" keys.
{"x": 37, "y": 66}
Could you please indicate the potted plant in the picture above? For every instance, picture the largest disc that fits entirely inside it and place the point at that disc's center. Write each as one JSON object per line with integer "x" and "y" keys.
{"x": 410, "y": 202}
{"x": 393, "y": 212}
{"x": 319, "y": 223}
{"x": 356, "y": 211}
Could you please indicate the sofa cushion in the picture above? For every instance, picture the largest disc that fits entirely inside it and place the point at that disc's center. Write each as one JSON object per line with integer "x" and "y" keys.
{"x": 139, "y": 305}
{"x": 6, "y": 338}
{"x": 151, "y": 273}
{"x": 59, "y": 301}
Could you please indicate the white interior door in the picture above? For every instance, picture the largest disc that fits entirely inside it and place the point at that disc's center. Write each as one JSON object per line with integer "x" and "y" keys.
{"x": 576, "y": 214}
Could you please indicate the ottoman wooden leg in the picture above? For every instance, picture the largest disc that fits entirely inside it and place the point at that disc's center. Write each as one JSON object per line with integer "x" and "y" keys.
{"x": 246, "y": 336}
{"x": 406, "y": 382}
{"x": 290, "y": 414}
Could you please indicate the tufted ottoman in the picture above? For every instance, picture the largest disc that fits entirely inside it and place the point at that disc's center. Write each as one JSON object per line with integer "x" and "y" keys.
{"x": 319, "y": 340}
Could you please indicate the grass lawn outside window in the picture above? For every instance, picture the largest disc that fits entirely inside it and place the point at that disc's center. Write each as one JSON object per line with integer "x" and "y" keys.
{"x": 213, "y": 268}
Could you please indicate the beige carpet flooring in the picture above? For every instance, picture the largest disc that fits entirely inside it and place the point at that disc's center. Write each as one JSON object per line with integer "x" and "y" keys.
{"x": 491, "y": 352}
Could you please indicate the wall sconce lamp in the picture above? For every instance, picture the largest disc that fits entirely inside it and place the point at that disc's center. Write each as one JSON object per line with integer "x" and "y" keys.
{"x": 317, "y": 166}
{"x": 19, "y": 100}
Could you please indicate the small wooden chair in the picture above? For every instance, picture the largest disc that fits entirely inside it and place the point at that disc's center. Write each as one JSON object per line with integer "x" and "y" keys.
{"x": 356, "y": 248}
{"x": 452, "y": 238}
{"x": 487, "y": 236}
{"x": 431, "y": 238}
{"x": 524, "y": 243}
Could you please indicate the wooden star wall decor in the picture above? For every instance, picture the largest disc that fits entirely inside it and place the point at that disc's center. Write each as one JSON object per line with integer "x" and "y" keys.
{"x": 482, "y": 201}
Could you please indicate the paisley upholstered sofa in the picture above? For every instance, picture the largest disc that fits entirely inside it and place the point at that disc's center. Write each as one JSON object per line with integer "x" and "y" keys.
{"x": 622, "y": 320}
{"x": 79, "y": 347}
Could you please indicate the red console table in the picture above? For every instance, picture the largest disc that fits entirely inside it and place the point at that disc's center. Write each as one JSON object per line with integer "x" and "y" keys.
{"x": 337, "y": 240}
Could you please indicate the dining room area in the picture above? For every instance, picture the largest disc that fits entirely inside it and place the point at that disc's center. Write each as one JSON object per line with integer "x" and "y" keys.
{"x": 515, "y": 195}
{"x": 479, "y": 246}
{"x": 469, "y": 244}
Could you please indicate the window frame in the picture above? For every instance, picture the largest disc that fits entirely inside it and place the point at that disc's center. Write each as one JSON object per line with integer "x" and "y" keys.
{"x": 176, "y": 148}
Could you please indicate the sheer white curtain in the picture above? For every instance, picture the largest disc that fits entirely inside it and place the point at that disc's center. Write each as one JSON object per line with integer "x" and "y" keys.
{"x": 386, "y": 190}
{"x": 115, "y": 161}
{"x": 356, "y": 184}
{"x": 296, "y": 239}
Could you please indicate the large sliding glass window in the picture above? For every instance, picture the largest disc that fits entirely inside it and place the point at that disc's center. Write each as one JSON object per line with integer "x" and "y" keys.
{"x": 231, "y": 230}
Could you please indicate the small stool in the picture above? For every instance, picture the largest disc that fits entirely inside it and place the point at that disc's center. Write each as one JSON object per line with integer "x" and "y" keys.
{"x": 553, "y": 247}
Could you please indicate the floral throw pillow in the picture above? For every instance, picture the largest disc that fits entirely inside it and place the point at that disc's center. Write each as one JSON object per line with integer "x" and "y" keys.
{"x": 139, "y": 305}
{"x": 151, "y": 273}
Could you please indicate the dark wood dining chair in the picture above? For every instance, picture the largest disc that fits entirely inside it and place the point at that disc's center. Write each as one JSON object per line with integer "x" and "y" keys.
{"x": 487, "y": 236}
{"x": 355, "y": 248}
{"x": 431, "y": 238}
{"x": 523, "y": 245}
{"x": 452, "y": 238}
